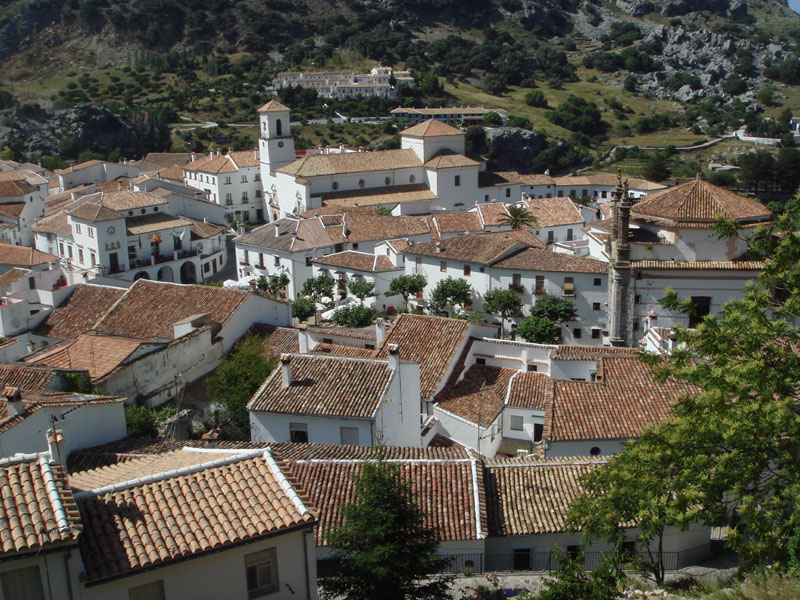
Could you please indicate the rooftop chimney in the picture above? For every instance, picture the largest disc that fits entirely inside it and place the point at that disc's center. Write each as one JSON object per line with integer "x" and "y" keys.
{"x": 13, "y": 401}
{"x": 302, "y": 338}
{"x": 55, "y": 441}
{"x": 205, "y": 220}
{"x": 380, "y": 330}
{"x": 286, "y": 370}
{"x": 394, "y": 357}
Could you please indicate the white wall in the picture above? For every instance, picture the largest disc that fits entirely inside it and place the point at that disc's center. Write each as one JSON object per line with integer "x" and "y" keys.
{"x": 484, "y": 440}
{"x": 221, "y": 574}
{"x": 256, "y": 309}
{"x": 52, "y": 572}
{"x": 582, "y": 447}
{"x": 274, "y": 427}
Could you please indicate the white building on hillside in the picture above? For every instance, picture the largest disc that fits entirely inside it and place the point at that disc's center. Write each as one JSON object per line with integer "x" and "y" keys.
{"x": 232, "y": 180}
{"x": 21, "y": 203}
{"x": 596, "y": 188}
{"x": 93, "y": 172}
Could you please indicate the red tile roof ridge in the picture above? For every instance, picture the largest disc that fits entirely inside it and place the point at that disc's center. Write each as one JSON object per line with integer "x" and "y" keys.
{"x": 147, "y": 479}
{"x": 551, "y": 461}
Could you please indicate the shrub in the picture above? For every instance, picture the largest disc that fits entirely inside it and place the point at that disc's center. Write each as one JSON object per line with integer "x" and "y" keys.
{"x": 356, "y": 315}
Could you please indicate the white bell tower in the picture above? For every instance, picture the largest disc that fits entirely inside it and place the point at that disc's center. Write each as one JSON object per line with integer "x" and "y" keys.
{"x": 276, "y": 145}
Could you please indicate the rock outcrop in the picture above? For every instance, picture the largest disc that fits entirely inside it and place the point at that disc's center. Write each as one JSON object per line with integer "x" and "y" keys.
{"x": 513, "y": 148}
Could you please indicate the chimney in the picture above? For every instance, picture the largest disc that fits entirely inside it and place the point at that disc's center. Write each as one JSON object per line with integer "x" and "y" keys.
{"x": 394, "y": 357}
{"x": 211, "y": 154}
{"x": 380, "y": 330}
{"x": 205, "y": 220}
{"x": 255, "y": 154}
{"x": 277, "y": 230}
{"x": 13, "y": 401}
{"x": 286, "y": 370}
{"x": 302, "y": 338}
{"x": 55, "y": 441}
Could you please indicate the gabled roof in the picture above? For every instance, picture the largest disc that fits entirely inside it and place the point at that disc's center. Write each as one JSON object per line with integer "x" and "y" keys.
{"x": 273, "y": 106}
{"x": 352, "y": 162}
{"x": 156, "y": 161}
{"x": 80, "y": 311}
{"x": 13, "y": 275}
{"x": 80, "y": 166}
{"x": 124, "y": 200}
{"x": 357, "y": 261}
{"x": 457, "y": 222}
{"x": 552, "y": 212}
{"x": 447, "y": 159}
{"x": 325, "y": 386}
{"x": 391, "y": 195}
{"x": 480, "y": 396}
{"x": 530, "y": 390}
{"x": 699, "y": 202}
{"x": 539, "y": 259}
{"x": 433, "y": 342}
{"x": 97, "y": 354}
{"x": 281, "y": 341}
{"x": 498, "y": 178}
{"x": 149, "y": 309}
{"x": 480, "y": 248}
{"x": 189, "y": 512}
{"x": 288, "y": 235}
{"x": 357, "y": 227}
{"x": 492, "y": 214}
{"x": 95, "y": 213}
{"x": 38, "y": 510}
{"x": 447, "y": 483}
{"x": 14, "y": 189}
{"x": 431, "y": 128}
{"x": 525, "y": 496}
{"x": 618, "y": 407}
{"x": 25, "y": 376}
{"x": 23, "y": 256}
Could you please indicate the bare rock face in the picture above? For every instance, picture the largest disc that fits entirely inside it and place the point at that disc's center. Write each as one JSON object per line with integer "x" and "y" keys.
{"x": 513, "y": 148}
{"x": 90, "y": 126}
{"x": 677, "y": 8}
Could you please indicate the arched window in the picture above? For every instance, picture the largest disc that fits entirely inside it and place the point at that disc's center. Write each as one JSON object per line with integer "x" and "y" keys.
{"x": 278, "y": 127}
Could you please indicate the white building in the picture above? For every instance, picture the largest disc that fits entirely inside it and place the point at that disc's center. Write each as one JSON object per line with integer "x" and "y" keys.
{"x": 597, "y": 188}
{"x": 429, "y": 173}
{"x": 377, "y": 269}
{"x": 666, "y": 240}
{"x": 132, "y": 235}
{"x": 557, "y": 220}
{"x": 337, "y": 400}
{"x": 380, "y": 82}
{"x": 458, "y": 116}
{"x": 516, "y": 261}
{"x": 93, "y": 172}
{"x": 20, "y": 205}
{"x": 232, "y": 180}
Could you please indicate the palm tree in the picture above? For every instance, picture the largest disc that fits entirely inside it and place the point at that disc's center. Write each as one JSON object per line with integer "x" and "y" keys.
{"x": 518, "y": 217}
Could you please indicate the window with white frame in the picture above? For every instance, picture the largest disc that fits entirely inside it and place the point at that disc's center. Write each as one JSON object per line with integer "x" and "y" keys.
{"x": 262, "y": 573}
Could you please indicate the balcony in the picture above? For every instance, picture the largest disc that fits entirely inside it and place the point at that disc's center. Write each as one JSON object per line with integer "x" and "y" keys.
{"x": 157, "y": 260}
{"x": 516, "y": 288}
{"x": 245, "y": 200}
{"x": 538, "y": 291}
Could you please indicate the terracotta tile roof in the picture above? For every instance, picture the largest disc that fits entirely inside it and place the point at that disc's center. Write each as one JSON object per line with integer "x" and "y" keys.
{"x": 495, "y": 178}
{"x": 357, "y": 227}
{"x": 12, "y": 210}
{"x": 398, "y": 245}
{"x": 539, "y": 259}
{"x": 143, "y": 224}
{"x": 537, "y": 179}
{"x": 201, "y": 230}
{"x": 710, "y": 265}
{"x": 273, "y": 106}
{"x": 174, "y": 172}
{"x": 79, "y": 166}
{"x": 15, "y": 189}
{"x": 398, "y": 194}
{"x": 434, "y": 342}
{"x": 121, "y": 451}
{"x": 492, "y": 214}
{"x": 618, "y": 407}
{"x": 245, "y": 158}
{"x": 341, "y": 350}
{"x": 446, "y": 482}
{"x": 699, "y": 202}
{"x": 13, "y": 275}
{"x": 458, "y": 222}
{"x": 95, "y": 213}
{"x": 281, "y": 341}
{"x": 149, "y": 309}
{"x": 32, "y": 518}
{"x": 481, "y": 248}
{"x": 340, "y": 210}
{"x": 97, "y": 354}
{"x": 552, "y": 212}
{"x": 125, "y": 200}
{"x": 225, "y": 163}
{"x": 529, "y": 497}
{"x": 155, "y": 161}
{"x": 279, "y": 235}
{"x": 325, "y": 385}
{"x": 480, "y": 396}
{"x": 118, "y": 184}
{"x": 356, "y": 261}
{"x": 186, "y": 515}
{"x": 26, "y": 376}
{"x": 358, "y": 333}
{"x": 80, "y": 311}
{"x": 352, "y": 162}
{"x": 530, "y": 390}
{"x": 431, "y": 128}
{"x": 572, "y": 352}
{"x": 23, "y": 256}
{"x": 525, "y": 236}
{"x": 447, "y": 159}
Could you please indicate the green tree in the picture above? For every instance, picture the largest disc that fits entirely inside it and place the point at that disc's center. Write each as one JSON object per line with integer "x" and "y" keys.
{"x": 572, "y": 581}
{"x": 518, "y": 217}
{"x": 504, "y": 303}
{"x": 234, "y": 382}
{"x": 555, "y": 308}
{"x": 787, "y": 169}
{"x": 535, "y": 98}
{"x": 578, "y": 114}
{"x": 355, "y": 316}
{"x": 656, "y": 168}
{"x": 757, "y": 169}
{"x": 303, "y": 308}
{"x": 361, "y": 288}
{"x": 539, "y": 330}
{"x": 405, "y": 286}
{"x": 492, "y": 119}
{"x": 383, "y": 550}
{"x": 451, "y": 291}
